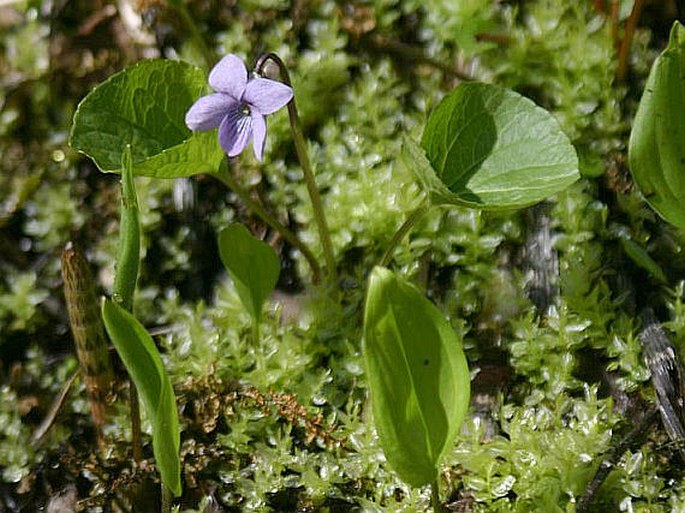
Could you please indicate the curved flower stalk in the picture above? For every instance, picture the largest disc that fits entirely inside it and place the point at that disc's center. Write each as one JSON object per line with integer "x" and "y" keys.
{"x": 239, "y": 106}
{"x": 307, "y": 171}
{"x": 238, "y": 109}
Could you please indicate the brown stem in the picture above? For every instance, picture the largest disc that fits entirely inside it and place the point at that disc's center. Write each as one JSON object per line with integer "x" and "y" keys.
{"x": 599, "y": 5}
{"x": 624, "y": 50}
{"x": 405, "y": 52}
{"x": 615, "y": 12}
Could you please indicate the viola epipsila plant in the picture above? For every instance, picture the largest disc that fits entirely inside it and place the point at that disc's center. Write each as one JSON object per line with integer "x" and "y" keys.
{"x": 370, "y": 256}
{"x": 484, "y": 147}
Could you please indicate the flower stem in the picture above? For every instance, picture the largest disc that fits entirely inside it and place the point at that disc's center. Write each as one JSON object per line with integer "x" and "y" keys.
{"x": 402, "y": 231}
{"x": 227, "y": 179}
{"x": 301, "y": 150}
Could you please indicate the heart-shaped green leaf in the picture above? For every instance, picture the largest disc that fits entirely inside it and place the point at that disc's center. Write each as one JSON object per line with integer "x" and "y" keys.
{"x": 252, "y": 264}
{"x": 144, "y": 365}
{"x": 489, "y": 147}
{"x": 418, "y": 377}
{"x": 657, "y": 141}
{"x": 145, "y": 106}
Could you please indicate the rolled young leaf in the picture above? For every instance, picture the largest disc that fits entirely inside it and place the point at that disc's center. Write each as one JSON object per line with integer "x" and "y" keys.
{"x": 144, "y": 365}
{"x": 252, "y": 264}
{"x": 128, "y": 257}
{"x": 490, "y": 147}
{"x": 656, "y": 151}
{"x": 418, "y": 377}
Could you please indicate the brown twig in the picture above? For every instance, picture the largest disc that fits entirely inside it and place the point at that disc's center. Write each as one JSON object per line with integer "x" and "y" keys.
{"x": 599, "y": 5}
{"x": 615, "y": 12}
{"x": 49, "y": 419}
{"x": 632, "y": 440}
{"x": 624, "y": 50}
{"x": 405, "y": 52}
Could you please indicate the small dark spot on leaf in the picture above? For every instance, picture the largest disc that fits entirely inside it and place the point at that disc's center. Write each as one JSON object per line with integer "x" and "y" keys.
{"x": 426, "y": 361}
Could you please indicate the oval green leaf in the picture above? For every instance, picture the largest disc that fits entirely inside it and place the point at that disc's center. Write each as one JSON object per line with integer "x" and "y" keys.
{"x": 656, "y": 151}
{"x": 418, "y": 377}
{"x": 145, "y": 106}
{"x": 144, "y": 365}
{"x": 490, "y": 147}
{"x": 252, "y": 264}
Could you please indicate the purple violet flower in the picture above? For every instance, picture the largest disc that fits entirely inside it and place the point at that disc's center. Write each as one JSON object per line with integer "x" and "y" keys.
{"x": 238, "y": 107}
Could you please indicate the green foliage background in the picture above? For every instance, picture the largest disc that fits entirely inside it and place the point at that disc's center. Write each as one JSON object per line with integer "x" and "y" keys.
{"x": 283, "y": 424}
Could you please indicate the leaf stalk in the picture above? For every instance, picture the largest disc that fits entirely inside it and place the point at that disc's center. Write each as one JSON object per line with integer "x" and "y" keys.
{"x": 402, "y": 231}
{"x": 126, "y": 276}
{"x": 435, "y": 496}
{"x": 224, "y": 175}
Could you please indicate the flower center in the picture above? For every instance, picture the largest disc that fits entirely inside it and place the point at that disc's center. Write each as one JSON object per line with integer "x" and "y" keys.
{"x": 244, "y": 109}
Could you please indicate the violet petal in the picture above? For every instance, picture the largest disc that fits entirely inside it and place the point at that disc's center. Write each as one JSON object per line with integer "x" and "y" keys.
{"x": 267, "y": 96}
{"x": 229, "y": 76}
{"x": 259, "y": 134}
{"x": 208, "y": 111}
{"x": 235, "y": 131}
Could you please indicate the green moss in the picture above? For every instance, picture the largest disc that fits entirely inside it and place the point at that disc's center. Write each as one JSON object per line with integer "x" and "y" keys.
{"x": 543, "y": 458}
{"x": 19, "y": 303}
{"x": 18, "y": 457}
{"x": 53, "y": 214}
